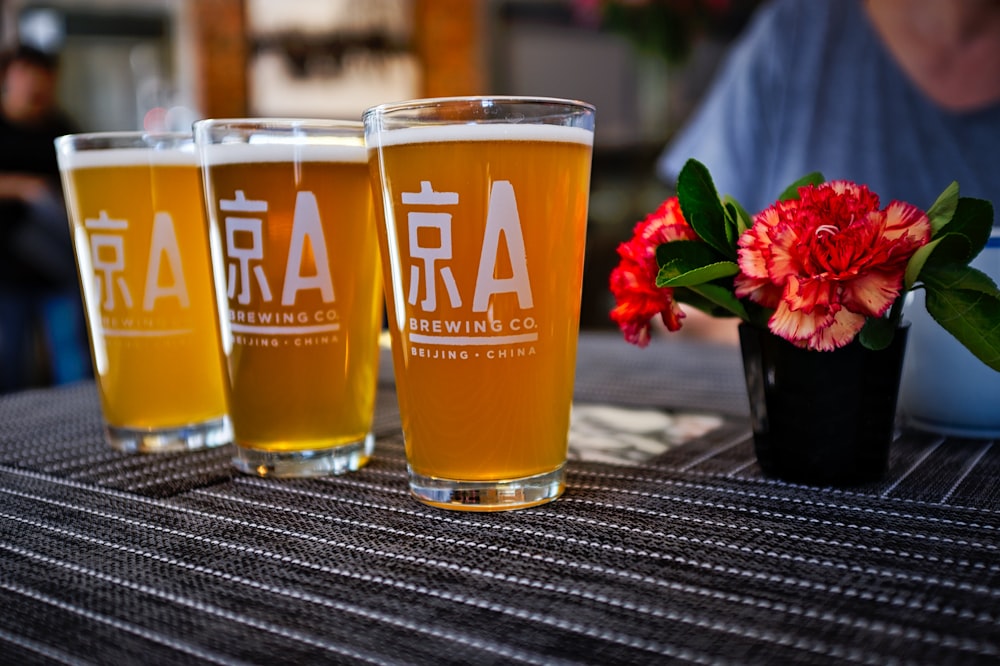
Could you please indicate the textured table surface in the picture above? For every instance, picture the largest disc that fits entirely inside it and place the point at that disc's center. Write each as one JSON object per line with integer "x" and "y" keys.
{"x": 668, "y": 545}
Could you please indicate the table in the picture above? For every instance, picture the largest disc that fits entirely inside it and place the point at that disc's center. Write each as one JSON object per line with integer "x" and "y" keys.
{"x": 689, "y": 555}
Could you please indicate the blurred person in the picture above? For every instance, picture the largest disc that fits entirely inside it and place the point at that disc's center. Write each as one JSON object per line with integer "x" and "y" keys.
{"x": 42, "y": 331}
{"x": 901, "y": 95}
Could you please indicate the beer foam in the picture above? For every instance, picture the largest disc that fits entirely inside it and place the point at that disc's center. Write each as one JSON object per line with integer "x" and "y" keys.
{"x": 486, "y": 132}
{"x": 119, "y": 157}
{"x": 244, "y": 153}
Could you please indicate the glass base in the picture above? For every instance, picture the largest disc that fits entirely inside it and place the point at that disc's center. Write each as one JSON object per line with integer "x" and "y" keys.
{"x": 488, "y": 495}
{"x": 348, "y": 457}
{"x": 163, "y": 440}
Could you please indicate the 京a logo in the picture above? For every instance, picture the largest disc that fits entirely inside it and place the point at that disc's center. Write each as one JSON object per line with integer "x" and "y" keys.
{"x": 502, "y": 217}
{"x": 429, "y": 269}
{"x": 164, "y": 278}
{"x": 246, "y": 273}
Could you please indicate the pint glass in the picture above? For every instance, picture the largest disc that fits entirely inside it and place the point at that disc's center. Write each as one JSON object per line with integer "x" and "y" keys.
{"x": 296, "y": 263}
{"x": 482, "y": 229}
{"x": 135, "y": 207}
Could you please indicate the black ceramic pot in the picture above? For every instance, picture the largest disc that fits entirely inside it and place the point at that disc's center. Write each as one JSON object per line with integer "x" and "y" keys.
{"x": 821, "y": 418}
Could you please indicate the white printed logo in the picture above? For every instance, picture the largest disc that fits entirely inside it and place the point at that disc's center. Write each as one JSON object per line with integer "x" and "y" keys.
{"x": 246, "y": 249}
{"x": 429, "y": 266}
{"x": 107, "y": 252}
{"x": 416, "y": 221}
{"x": 164, "y": 271}
{"x": 164, "y": 246}
{"x": 502, "y": 219}
{"x": 244, "y": 255}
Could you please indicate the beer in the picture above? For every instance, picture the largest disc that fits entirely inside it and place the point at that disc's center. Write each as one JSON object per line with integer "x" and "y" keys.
{"x": 482, "y": 239}
{"x": 298, "y": 261}
{"x": 139, "y": 234}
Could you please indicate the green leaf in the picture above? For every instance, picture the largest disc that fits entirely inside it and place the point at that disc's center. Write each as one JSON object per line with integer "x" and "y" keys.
{"x": 877, "y": 333}
{"x": 688, "y": 297}
{"x": 943, "y": 209}
{"x": 687, "y": 254}
{"x": 722, "y": 297}
{"x": 950, "y": 249}
{"x": 738, "y": 213}
{"x": 958, "y": 277}
{"x": 684, "y": 263}
{"x": 958, "y": 241}
{"x": 703, "y": 209}
{"x": 973, "y": 219}
{"x": 732, "y": 226}
{"x": 966, "y": 302}
{"x": 792, "y": 191}
{"x": 916, "y": 264}
{"x": 972, "y": 317}
{"x": 670, "y": 277}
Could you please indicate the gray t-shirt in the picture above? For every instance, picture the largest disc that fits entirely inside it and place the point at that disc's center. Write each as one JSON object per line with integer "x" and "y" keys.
{"x": 810, "y": 87}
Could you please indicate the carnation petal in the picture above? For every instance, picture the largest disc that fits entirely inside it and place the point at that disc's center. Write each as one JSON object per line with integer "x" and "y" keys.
{"x": 752, "y": 262}
{"x": 760, "y": 291}
{"x": 809, "y": 293}
{"x": 785, "y": 250}
{"x": 844, "y": 327}
{"x": 633, "y": 281}
{"x": 672, "y": 316}
{"x": 794, "y": 325}
{"x": 872, "y": 293}
{"x": 903, "y": 219}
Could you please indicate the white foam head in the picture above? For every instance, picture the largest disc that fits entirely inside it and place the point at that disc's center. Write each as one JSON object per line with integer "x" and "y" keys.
{"x": 313, "y": 151}
{"x": 482, "y": 132}
{"x": 117, "y": 157}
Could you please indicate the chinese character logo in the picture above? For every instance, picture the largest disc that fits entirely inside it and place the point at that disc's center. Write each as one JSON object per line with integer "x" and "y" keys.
{"x": 502, "y": 223}
{"x": 238, "y": 228}
{"x": 107, "y": 251}
{"x": 431, "y": 255}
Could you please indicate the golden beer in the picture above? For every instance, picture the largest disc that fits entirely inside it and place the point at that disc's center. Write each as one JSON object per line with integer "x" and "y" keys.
{"x": 139, "y": 233}
{"x": 482, "y": 239}
{"x": 298, "y": 260}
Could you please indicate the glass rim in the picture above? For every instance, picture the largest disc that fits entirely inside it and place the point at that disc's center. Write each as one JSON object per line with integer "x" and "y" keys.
{"x": 513, "y": 100}
{"x": 120, "y": 139}
{"x": 277, "y": 122}
{"x": 213, "y": 133}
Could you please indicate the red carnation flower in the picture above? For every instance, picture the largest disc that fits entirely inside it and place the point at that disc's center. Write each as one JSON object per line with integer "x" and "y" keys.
{"x": 827, "y": 261}
{"x": 633, "y": 281}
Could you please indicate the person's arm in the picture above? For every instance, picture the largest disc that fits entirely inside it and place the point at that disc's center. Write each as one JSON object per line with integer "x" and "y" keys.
{"x": 24, "y": 187}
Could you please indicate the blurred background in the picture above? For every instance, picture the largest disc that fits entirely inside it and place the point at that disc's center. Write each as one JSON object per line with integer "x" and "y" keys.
{"x": 130, "y": 64}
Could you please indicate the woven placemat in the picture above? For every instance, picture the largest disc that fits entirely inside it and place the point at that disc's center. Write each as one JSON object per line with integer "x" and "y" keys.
{"x": 688, "y": 556}
{"x": 676, "y": 374}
